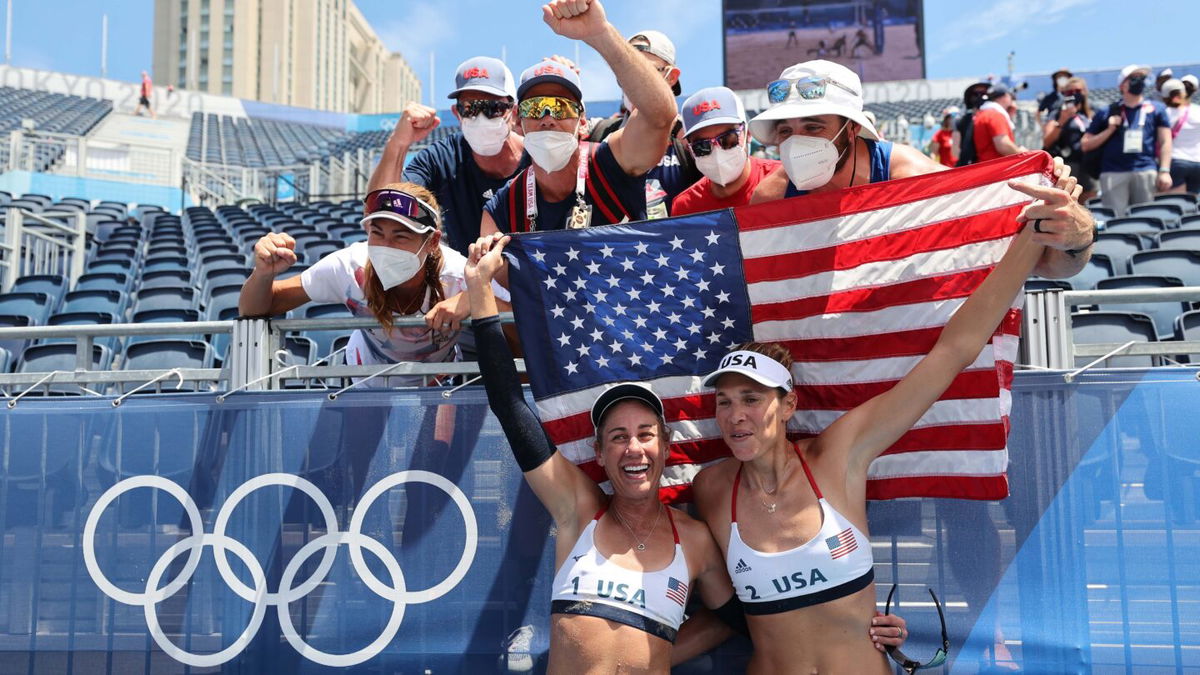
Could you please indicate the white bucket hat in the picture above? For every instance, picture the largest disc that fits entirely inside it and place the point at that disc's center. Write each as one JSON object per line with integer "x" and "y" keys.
{"x": 841, "y": 95}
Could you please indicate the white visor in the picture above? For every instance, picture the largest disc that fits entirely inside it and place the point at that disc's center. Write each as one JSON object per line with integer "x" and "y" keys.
{"x": 758, "y": 367}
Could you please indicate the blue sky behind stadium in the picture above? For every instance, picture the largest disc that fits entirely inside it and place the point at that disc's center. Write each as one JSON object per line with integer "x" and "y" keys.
{"x": 963, "y": 38}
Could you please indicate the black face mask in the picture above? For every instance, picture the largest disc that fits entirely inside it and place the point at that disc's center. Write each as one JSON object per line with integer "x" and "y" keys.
{"x": 1137, "y": 85}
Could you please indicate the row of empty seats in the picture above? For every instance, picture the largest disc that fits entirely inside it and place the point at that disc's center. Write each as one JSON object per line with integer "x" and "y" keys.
{"x": 57, "y": 113}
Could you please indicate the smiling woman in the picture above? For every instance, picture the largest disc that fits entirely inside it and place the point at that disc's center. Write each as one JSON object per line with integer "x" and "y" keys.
{"x": 401, "y": 270}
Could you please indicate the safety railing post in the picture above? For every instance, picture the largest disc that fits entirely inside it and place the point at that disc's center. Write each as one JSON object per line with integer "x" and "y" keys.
{"x": 249, "y": 353}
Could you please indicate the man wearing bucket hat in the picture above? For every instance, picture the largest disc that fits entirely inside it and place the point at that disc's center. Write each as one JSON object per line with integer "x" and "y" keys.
{"x": 714, "y": 124}
{"x": 463, "y": 171}
{"x": 826, "y": 142}
{"x": 573, "y": 184}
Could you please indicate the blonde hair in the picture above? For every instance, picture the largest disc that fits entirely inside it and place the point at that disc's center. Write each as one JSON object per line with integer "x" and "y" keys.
{"x": 385, "y": 304}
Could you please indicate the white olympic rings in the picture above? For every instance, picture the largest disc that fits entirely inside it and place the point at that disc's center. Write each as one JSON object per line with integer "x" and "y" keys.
{"x": 397, "y": 592}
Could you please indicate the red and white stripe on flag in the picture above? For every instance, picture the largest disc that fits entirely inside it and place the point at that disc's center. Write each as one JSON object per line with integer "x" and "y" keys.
{"x": 858, "y": 285}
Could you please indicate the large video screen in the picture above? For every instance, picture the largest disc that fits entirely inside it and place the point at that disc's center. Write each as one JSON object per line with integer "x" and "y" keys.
{"x": 878, "y": 39}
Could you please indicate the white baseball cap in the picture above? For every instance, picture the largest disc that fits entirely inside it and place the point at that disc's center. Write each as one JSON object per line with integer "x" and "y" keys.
{"x": 657, "y": 43}
{"x": 1191, "y": 78}
{"x": 840, "y": 93}
{"x": 1130, "y": 70}
{"x": 1170, "y": 86}
{"x": 758, "y": 367}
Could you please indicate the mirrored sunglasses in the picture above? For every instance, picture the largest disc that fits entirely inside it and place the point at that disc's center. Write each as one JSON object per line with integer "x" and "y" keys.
{"x": 807, "y": 88}
{"x": 489, "y": 108}
{"x": 909, "y": 665}
{"x": 559, "y": 108}
{"x": 726, "y": 141}
{"x": 401, "y": 204}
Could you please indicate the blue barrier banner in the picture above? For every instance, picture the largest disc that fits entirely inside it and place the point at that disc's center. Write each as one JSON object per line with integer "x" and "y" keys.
{"x": 391, "y": 531}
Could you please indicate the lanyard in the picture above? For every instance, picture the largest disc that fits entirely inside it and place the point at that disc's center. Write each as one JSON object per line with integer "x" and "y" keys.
{"x": 581, "y": 173}
{"x": 1178, "y": 126}
{"x": 1141, "y": 115}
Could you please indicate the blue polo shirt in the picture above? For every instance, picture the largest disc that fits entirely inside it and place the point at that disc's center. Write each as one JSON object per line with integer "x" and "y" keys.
{"x": 447, "y": 168}
{"x": 1150, "y": 116}
{"x": 630, "y": 190}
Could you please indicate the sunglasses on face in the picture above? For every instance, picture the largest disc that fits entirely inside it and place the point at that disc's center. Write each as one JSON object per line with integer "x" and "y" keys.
{"x": 908, "y": 665}
{"x": 488, "y": 108}
{"x": 557, "y": 107}
{"x": 401, "y": 204}
{"x": 807, "y": 88}
{"x": 726, "y": 141}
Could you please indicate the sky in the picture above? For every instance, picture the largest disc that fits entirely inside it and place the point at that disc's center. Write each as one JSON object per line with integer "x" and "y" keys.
{"x": 964, "y": 38}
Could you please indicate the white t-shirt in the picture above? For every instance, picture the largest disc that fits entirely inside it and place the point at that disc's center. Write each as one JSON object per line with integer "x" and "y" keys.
{"x": 1186, "y": 145}
{"x": 338, "y": 278}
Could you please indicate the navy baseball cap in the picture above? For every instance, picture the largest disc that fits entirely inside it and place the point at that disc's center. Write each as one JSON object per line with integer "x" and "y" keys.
{"x": 709, "y": 106}
{"x": 485, "y": 74}
{"x": 623, "y": 392}
{"x": 550, "y": 71}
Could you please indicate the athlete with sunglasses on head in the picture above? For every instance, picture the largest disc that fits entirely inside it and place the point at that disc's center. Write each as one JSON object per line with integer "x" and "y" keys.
{"x": 826, "y": 143}
{"x": 463, "y": 171}
{"x": 574, "y": 184}
{"x": 402, "y": 269}
{"x": 714, "y": 125}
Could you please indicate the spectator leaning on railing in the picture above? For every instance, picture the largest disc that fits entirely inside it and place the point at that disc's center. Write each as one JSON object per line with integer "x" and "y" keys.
{"x": 403, "y": 269}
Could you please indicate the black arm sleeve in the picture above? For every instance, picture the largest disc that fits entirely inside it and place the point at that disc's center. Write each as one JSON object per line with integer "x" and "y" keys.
{"x": 731, "y": 615}
{"x": 524, "y": 432}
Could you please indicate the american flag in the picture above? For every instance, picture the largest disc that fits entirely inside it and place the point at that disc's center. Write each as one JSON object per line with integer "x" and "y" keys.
{"x": 677, "y": 590}
{"x": 857, "y": 284}
{"x": 841, "y": 543}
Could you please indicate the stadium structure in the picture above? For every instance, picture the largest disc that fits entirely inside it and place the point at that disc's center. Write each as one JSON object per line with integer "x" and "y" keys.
{"x": 145, "y": 419}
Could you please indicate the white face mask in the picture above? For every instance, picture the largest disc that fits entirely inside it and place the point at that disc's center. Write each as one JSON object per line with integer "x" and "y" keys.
{"x": 1061, "y": 82}
{"x": 485, "y": 136}
{"x": 809, "y": 161}
{"x": 723, "y": 166}
{"x": 395, "y": 266}
{"x": 551, "y": 150}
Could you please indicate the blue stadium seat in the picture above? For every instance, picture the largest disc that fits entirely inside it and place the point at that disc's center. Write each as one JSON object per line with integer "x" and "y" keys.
{"x": 37, "y": 306}
{"x": 1118, "y": 246}
{"x": 95, "y": 300}
{"x": 1040, "y": 284}
{"x": 1187, "y": 326}
{"x": 325, "y": 339}
{"x": 354, "y": 237}
{"x": 221, "y": 298}
{"x": 167, "y": 262}
{"x": 83, "y": 319}
{"x": 315, "y": 250}
{"x": 1116, "y": 327}
{"x": 1163, "y": 313}
{"x": 292, "y": 271}
{"x": 167, "y": 279}
{"x": 53, "y": 285}
{"x": 1188, "y": 239}
{"x": 1189, "y": 221}
{"x": 1145, "y": 226}
{"x": 217, "y": 247}
{"x": 1102, "y": 213}
{"x": 111, "y": 281}
{"x": 13, "y": 346}
{"x": 6, "y": 363}
{"x": 58, "y": 356}
{"x": 340, "y": 231}
{"x": 167, "y": 247}
{"x": 224, "y": 276}
{"x": 1185, "y": 201}
{"x": 1169, "y": 213}
{"x": 1099, "y": 267}
{"x": 215, "y": 261}
{"x": 1168, "y": 262}
{"x": 165, "y": 298}
{"x": 166, "y": 354}
{"x": 120, "y": 266}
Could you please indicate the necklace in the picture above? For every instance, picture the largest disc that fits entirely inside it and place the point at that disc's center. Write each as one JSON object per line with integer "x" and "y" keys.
{"x": 769, "y": 507}
{"x": 641, "y": 546}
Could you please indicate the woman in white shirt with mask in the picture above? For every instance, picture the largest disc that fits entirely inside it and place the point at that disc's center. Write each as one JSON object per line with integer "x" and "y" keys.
{"x": 401, "y": 270}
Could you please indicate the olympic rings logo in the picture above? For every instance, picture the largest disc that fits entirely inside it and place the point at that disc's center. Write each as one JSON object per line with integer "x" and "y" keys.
{"x": 221, "y": 544}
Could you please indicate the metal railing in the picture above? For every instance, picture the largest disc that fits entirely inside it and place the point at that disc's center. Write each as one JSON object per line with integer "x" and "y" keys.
{"x": 1047, "y": 342}
{"x": 41, "y": 244}
{"x": 66, "y": 154}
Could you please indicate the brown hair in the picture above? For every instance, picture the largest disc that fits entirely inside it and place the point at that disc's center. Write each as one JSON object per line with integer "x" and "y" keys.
{"x": 1081, "y": 84}
{"x": 385, "y": 304}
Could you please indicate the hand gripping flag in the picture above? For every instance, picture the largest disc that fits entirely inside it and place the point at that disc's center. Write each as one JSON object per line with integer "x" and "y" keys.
{"x": 857, "y": 284}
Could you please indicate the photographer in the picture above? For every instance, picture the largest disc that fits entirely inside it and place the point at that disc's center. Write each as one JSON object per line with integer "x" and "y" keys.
{"x": 1067, "y": 121}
